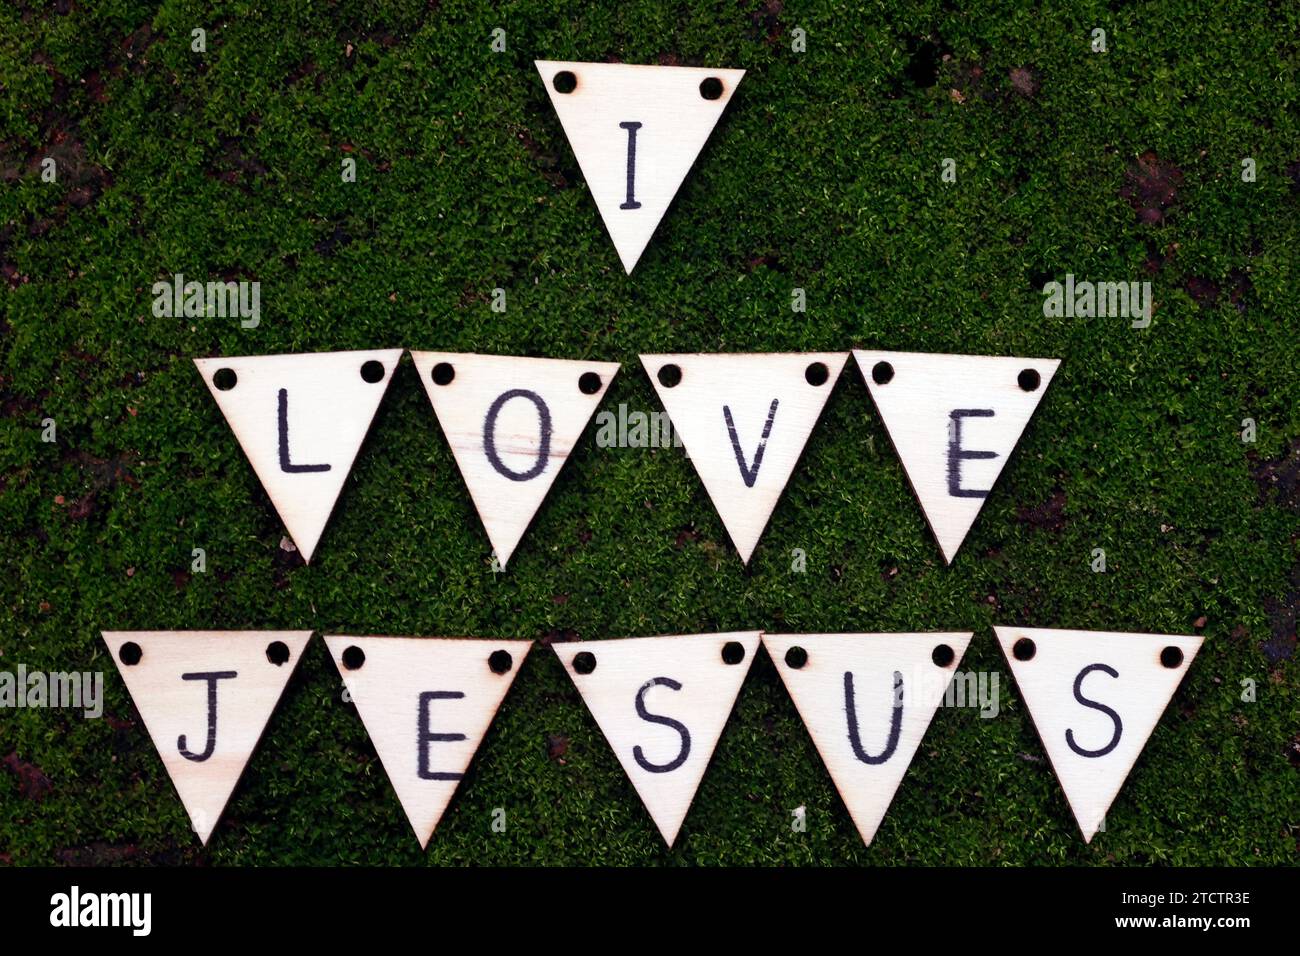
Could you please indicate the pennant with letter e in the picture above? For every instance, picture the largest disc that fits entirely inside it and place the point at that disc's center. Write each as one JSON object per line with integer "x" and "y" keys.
{"x": 1095, "y": 697}
{"x": 301, "y": 420}
{"x": 427, "y": 703}
{"x": 512, "y": 423}
{"x": 205, "y": 698}
{"x": 744, "y": 419}
{"x": 954, "y": 420}
{"x": 662, "y": 702}
{"x": 636, "y": 131}
{"x": 867, "y": 700}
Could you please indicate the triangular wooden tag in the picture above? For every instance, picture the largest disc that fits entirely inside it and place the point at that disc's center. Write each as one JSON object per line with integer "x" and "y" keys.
{"x": 636, "y": 131}
{"x": 511, "y": 423}
{"x": 427, "y": 704}
{"x": 954, "y": 420}
{"x": 300, "y": 420}
{"x": 867, "y": 700}
{"x": 744, "y": 420}
{"x": 662, "y": 702}
{"x": 1095, "y": 697}
{"x": 205, "y": 698}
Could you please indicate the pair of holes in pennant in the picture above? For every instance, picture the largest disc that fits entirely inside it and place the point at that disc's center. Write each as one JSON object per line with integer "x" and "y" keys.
{"x": 499, "y": 662}
{"x": 225, "y": 378}
{"x": 882, "y": 373}
{"x": 566, "y": 82}
{"x": 733, "y": 652}
{"x": 1025, "y": 649}
{"x": 942, "y": 655}
{"x": 816, "y": 374}
{"x": 444, "y": 373}
{"x": 130, "y": 653}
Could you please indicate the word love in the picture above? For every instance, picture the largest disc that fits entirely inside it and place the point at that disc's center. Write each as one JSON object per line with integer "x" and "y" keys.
{"x": 661, "y": 702}
{"x": 512, "y": 422}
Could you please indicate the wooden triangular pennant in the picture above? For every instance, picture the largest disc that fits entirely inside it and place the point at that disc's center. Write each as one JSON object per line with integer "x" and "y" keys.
{"x": 662, "y": 702}
{"x": 867, "y": 700}
{"x": 1095, "y": 697}
{"x": 954, "y": 420}
{"x": 427, "y": 704}
{"x": 511, "y": 423}
{"x": 636, "y": 131}
{"x": 205, "y": 698}
{"x": 301, "y": 420}
{"x": 744, "y": 420}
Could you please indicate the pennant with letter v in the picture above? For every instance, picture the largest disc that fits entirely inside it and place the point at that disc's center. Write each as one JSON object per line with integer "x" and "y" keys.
{"x": 636, "y": 131}
{"x": 867, "y": 700}
{"x": 954, "y": 420}
{"x": 426, "y": 703}
{"x": 301, "y": 420}
{"x": 205, "y": 698}
{"x": 1095, "y": 697}
{"x": 662, "y": 702}
{"x": 745, "y": 420}
{"x": 511, "y": 423}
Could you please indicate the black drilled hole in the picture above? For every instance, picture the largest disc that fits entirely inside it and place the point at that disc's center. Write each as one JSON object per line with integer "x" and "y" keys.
{"x": 353, "y": 657}
{"x": 1024, "y": 649}
{"x": 943, "y": 655}
{"x": 277, "y": 652}
{"x": 733, "y": 652}
{"x": 500, "y": 662}
{"x": 1029, "y": 380}
{"x": 1171, "y": 656}
{"x": 670, "y": 375}
{"x": 589, "y": 383}
{"x": 130, "y": 653}
{"x": 796, "y": 657}
{"x": 564, "y": 82}
{"x": 711, "y": 88}
{"x": 443, "y": 373}
{"x": 584, "y": 662}
{"x": 372, "y": 371}
{"x": 882, "y": 373}
{"x": 225, "y": 379}
{"x": 816, "y": 374}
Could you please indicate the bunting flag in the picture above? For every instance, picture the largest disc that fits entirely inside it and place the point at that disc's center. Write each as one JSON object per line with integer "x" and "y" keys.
{"x": 744, "y": 420}
{"x": 954, "y": 420}
{"x": 205, "y": 698}
{"x": 1095, "y": 697}
{"x": 636, "y": 131}
{"x": 867, "y": 700}
{"x": 511, "y": 423}
{"x": 662, "y": 702}
{"x": 427, "y": 703}
{"x": 300, "y": 420}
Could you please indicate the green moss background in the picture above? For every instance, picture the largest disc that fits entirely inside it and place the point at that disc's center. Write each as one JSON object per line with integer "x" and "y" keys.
{"x": 824, "y": 174}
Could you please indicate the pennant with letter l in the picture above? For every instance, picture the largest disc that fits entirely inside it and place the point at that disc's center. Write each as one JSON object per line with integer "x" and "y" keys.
{"x": 1095, "y": 697}
{"x": 662, "y": 702}
{"x": 301, "y": 420}
{"x": 867, "y": 700}
{"x": 205, "y": 698}
{"x": 954, "y": 420}
{"x": 511, "y": 423}
{"x": 745, "y": 419}
{"x": 426, "y": 703}
{"x": 636, "y": 131}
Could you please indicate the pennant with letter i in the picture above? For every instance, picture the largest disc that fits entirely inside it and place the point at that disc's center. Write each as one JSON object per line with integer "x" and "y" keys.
{"x": 662, "y": 702}
{"x": 867, "y": 700}
{"x": 301, "y": 420}
{"x": 744, "y": 420}
{"x": 636, "y": 131}
{"x": 205, "y": 698}
{"x": 512, "y": 423}
{"x": 427, "y": 703}
{"x": 1095, "y": 697}
{"x": 954, "y": 420}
